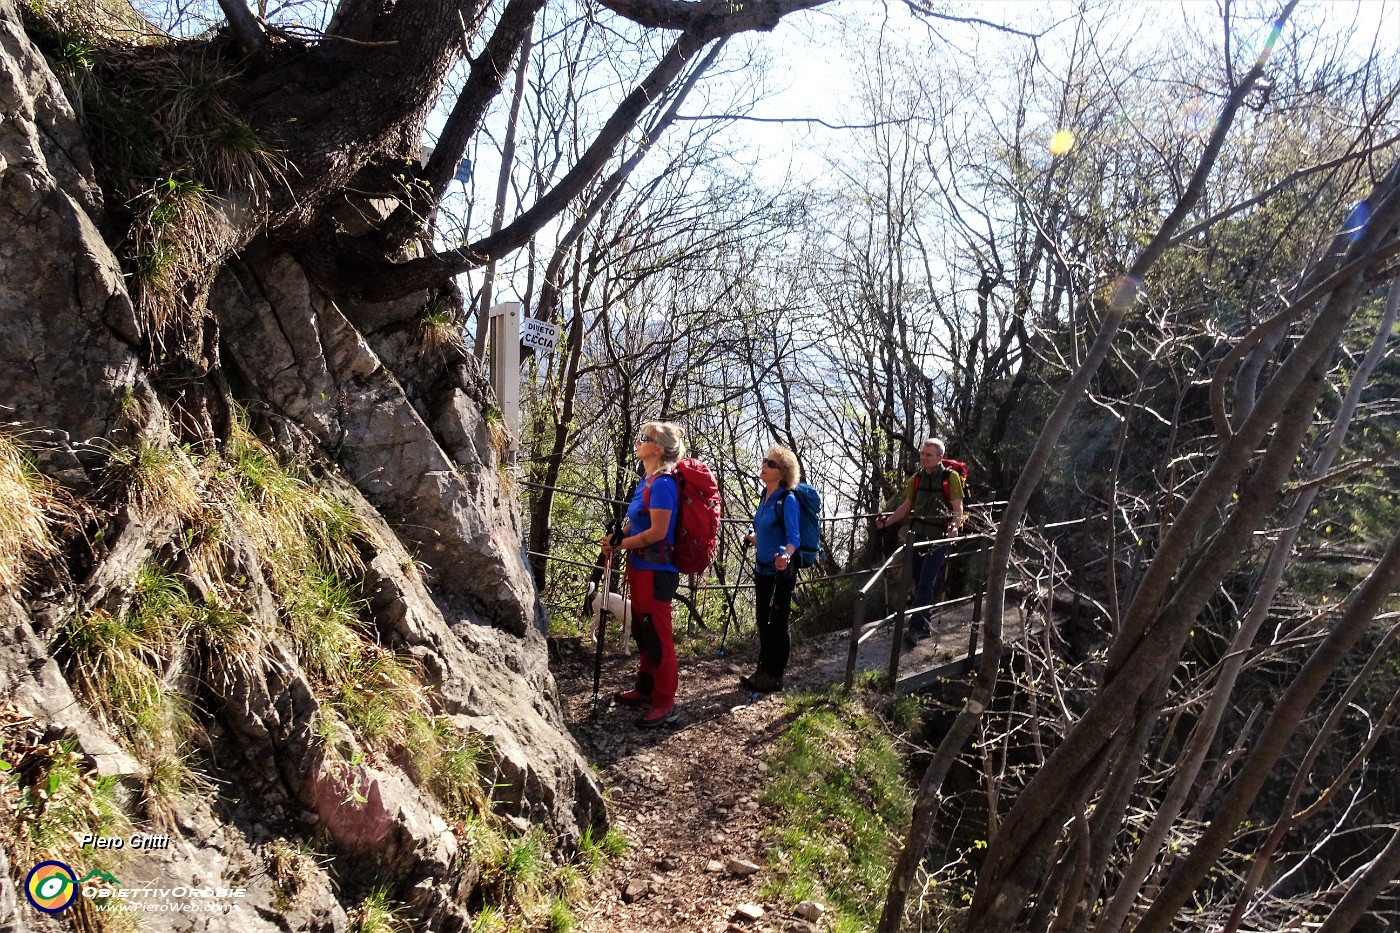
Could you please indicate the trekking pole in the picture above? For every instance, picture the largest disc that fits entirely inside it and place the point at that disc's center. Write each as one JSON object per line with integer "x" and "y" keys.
{"x": 614, "y": 530}
{"x": 739, "y": 575}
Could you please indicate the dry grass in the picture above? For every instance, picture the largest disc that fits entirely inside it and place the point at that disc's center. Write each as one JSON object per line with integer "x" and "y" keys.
{"x": 158, "y": 480}
{"x": 447, "y": 760}
{"x": 498, "y": 433}
{"x": 293, "y": 522}
{"x": 128, "y": 667}
{"x": 292, "y": 866}
{"x": 439, "y": 330}
{"x": 171, "y": 235}
{"x": 309, "y": 542}
{"x": 32, "y": 510}
{"x": 380, "y": 692}
{"x": 377, "y": 913}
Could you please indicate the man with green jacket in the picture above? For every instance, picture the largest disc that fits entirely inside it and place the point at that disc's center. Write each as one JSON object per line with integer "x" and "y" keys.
{"x": 933, "y": 499}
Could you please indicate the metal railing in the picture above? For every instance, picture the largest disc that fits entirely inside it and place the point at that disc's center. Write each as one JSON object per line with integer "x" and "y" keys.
{"x": 860, "y": 630}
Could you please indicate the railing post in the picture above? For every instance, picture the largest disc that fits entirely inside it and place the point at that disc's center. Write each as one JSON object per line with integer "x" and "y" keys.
{"x": 857, "y": 628}
{"x": 907, "y": 586}
{"x": 504, "y": 321}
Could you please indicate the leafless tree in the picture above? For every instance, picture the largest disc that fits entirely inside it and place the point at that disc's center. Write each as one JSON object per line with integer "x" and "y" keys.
{"x": 339, "y": 112}
{"x": 1046, "y": 862}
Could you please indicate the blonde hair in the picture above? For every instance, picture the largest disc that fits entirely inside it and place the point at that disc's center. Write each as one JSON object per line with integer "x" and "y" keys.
{"x": 670, "y": 437}
{"x": 787, "y": 465}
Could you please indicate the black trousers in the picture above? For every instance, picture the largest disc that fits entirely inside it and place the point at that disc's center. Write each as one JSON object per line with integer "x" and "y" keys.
{"x": 772, "y": 608}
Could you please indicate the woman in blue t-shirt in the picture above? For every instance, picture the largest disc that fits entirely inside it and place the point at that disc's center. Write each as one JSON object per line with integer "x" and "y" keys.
{"x": 652, "y": 578}
{"x": 775, "y": 538}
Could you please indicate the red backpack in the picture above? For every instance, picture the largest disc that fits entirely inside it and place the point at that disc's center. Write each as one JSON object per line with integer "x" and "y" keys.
{"x": 949, "y": 466}
{"x": 697, "y": 528}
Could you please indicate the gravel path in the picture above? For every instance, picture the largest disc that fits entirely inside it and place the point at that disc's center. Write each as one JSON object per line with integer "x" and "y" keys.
{"x": 687, "y": 797}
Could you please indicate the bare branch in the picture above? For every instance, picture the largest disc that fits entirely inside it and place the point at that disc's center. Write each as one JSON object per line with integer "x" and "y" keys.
{"x": 1282, "y": 184}
{"x": 727, "y": 17}
{"x": 920, "y": 10}
{"x": 1359, "y": 610}
{"x": 484, "y": 82}
{"x": 735, "y": 117}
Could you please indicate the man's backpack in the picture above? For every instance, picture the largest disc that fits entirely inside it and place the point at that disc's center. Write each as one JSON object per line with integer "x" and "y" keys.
{"x": 808, "y": 522}
{"x": 949, "y": 466}
{"x": 697, "y": 526}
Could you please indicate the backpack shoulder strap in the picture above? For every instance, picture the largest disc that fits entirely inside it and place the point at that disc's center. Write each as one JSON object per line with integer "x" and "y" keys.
{"x": 646, "y": 486}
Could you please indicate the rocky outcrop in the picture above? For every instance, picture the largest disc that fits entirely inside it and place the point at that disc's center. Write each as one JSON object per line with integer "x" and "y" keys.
{"x": 400, "y": 434}
{"x": 299, "y": 352}
{"x": 62, "y": 297}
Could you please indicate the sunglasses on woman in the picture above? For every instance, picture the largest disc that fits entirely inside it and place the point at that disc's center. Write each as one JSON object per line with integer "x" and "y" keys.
{"x": 771, "y": 464}
{"x": 643, "y": 439}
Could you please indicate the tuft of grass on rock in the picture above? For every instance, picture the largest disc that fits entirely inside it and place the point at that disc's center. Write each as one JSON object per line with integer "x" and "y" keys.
{"x": 292, "y": 866}
{"x": 323, "y": 616}
{"x": 378, "y": 694}
{"x": 294, "y": 522}
{"x": 438, "y": 329}
{"x": 447, "y": 761}
{"x": 377, "y": 913}
{"x": 123, "y": 665}
{"x": 594, "y": 850}
{"x": 32, "y": 510}
{"x": 158, "y": 479}
{"x": 49, "y": 796}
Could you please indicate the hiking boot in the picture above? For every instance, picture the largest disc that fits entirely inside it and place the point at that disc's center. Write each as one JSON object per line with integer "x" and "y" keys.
{"x": 655, "y": 719}
{"x": 632, "y": 698}
{"x": 764, "y": 682}
{"x": 913, "y": 635}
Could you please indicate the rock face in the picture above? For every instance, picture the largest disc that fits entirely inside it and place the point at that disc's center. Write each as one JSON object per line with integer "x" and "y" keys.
{"x": 62, "y": 298}
{"x": 400, "y": 432}
{"x": 302, "y": 355}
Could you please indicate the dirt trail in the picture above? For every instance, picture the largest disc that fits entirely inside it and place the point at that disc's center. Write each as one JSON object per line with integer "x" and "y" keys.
{"x": 687, "y": 797}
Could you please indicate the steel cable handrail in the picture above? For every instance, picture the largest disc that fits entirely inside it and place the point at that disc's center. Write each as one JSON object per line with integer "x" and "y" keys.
{"x": 860, "y": 630}
{"x": 876, "y": 573}
{"x": 853, "y": 516}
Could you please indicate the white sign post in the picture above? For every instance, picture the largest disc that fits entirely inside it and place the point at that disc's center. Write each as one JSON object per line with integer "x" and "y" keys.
{"x": 505, "y": 367}
{"x": 541, "y": 336}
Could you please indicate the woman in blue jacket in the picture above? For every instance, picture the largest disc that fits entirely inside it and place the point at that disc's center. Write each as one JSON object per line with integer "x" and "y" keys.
{"x": 775, "y": 538}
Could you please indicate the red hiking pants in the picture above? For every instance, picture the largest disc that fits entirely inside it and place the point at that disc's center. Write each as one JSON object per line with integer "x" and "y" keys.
{"x": 657, "y": 674}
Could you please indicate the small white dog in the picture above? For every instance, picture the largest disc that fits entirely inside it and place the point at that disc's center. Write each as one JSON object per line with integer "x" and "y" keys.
{"x": 620, "y": 607}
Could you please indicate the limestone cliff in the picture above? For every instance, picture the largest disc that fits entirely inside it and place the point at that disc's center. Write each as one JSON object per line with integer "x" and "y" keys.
{"x": 394, "y": 428}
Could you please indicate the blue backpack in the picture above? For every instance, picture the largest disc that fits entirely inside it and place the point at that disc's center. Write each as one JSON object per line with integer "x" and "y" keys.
{"x": 808, "y": 523}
